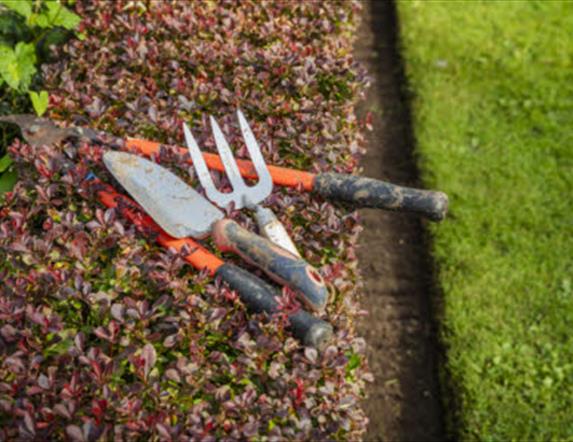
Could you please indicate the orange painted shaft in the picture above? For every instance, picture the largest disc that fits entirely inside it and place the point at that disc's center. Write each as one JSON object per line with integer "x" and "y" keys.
{"x": 197, "y": 255}
{"x": 282, "y": 176}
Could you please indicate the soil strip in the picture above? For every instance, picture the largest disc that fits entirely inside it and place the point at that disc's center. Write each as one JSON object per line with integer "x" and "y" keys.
{"x": 404, "y": 402}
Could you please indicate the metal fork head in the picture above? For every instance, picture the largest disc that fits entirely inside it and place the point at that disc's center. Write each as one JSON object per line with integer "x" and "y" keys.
{"x": 242, "y": 195}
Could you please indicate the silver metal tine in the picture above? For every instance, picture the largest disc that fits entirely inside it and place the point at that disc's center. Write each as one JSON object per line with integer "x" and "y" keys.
{"x": 265, "y": 183}
{"x": 200, "y": 165}
{"x": 233, "y": 173}
{"x": 242, "y": 195}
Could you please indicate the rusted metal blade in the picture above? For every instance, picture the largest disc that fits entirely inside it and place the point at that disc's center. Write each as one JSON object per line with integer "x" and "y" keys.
{"x": 38, "y": 131}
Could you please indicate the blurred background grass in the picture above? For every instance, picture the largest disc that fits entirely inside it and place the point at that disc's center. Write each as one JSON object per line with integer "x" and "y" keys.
{"x": 492, "y": 95}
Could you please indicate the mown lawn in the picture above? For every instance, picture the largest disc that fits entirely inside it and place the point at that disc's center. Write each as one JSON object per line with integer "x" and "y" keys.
{"x": 492, "y": 86}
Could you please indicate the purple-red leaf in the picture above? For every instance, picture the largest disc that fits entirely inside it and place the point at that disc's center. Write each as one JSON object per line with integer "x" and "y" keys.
{"x": 75, "y": 433}
{"x": 149, "y": 357}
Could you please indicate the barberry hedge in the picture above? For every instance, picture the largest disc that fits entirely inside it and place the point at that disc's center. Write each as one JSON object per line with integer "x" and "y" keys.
{"x": 104, "y": 334}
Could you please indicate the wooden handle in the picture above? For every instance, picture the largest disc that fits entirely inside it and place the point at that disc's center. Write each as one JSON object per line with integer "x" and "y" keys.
{"x": 368, "y": 192}
{"x": 272, "y": 229}
{"x": 280, "y": 265}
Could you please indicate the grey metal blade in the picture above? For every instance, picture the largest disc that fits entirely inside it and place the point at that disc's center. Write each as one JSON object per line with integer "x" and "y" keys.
{"x": 171, "y": 202}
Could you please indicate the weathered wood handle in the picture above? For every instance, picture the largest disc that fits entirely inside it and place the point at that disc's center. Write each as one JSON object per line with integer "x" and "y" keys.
{"x": 259, "y": 297}
{"x": 279, "y": 264}
{"x": 368, "y": 192}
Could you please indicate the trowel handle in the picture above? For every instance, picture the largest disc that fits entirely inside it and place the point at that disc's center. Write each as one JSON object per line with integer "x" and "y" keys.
{"x": 279, "y": 264}
{"x": 257, "y": 295}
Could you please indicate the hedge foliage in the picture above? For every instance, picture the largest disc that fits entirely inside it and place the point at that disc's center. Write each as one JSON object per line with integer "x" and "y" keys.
{"x": 103, "y": 333}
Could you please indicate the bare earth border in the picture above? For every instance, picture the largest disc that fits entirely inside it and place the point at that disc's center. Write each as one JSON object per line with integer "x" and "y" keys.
{"x": 404, "y": 403}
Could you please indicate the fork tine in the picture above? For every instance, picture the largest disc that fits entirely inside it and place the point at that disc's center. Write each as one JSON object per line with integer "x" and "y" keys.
{"x": 200, "y": 166}
{"x": 265, "y": 184}
{"x": 233, "y": 173}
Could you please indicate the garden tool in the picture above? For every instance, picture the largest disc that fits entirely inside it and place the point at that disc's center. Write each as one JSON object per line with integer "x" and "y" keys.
{"x": 359, "y": 191}
{"x": 242, "y": 195}
{"x": 183, "y": 212}
{"x": 257, "y": 295}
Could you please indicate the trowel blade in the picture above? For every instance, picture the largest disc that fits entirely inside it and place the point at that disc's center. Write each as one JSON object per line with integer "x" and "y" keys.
{"x": 171, "y": 202}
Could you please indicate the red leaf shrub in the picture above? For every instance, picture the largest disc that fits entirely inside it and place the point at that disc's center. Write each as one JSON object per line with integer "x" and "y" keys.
{"x": 102, "y": 333}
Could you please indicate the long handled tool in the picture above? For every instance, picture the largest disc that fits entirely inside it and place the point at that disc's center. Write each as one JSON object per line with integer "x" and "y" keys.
{"x": 256, "y": 294}
{"x": 242, "y": 195}
{"x": 360, "y": 191}
{"x": 183, "y": 212}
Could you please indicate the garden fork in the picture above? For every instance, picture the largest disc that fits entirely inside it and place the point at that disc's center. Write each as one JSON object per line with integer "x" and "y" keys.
{"x": 242, "y": 195}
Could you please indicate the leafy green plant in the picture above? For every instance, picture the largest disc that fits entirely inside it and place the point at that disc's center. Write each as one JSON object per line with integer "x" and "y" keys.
{"x": 18, "y": 65}
{"x": 39, "y": 101}
{"x": 28, "y": 29}
{"x": 7, "y": 175}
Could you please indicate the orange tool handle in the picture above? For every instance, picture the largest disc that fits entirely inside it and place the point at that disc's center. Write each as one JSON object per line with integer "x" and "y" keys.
{"x": 282, "y": 176}
{"x": 197, "y": 255}
{"x": 359, "y": 191}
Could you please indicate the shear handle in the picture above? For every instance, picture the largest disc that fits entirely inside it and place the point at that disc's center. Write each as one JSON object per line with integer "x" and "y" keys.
{"x": 257, "y": 295}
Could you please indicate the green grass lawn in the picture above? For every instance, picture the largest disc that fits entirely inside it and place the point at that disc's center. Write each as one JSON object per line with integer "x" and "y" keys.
{"x": 492, "y": 86}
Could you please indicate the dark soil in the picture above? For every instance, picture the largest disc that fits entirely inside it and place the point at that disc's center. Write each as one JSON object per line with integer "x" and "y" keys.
{"x": 404, "y": 402}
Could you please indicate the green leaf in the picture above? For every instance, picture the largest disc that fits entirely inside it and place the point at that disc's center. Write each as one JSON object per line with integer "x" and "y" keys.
{"x": 22, "y": 7}
{"x": 13, "y": 28}
{"x": 5, "y": 162}
{"x": 59, "y": 348}
{"x": 17, "y": 66}
{"x": 353, "y": 363}
{"x": 39, "y": 101}
{"x": 58, "y": 15}
{"x": 42, "y": 20}
{"x": 7, "y": 181}
{"x": 26, "y": 57}
{"x": 9, "y": 67}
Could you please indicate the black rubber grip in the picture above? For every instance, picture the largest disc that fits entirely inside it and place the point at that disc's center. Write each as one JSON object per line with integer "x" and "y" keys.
{"x": 368, "y": 192}
{"x": 260, "y": 297}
